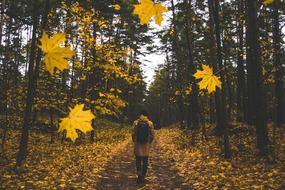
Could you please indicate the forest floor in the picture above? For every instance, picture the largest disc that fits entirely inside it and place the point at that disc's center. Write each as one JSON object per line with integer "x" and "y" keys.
{"x": 162, "y": 173}
{"x": 174, "y": 163}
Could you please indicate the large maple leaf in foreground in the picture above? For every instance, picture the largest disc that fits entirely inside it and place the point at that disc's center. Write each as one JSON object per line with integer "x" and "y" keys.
{"x": 209, "y": 80}
{"x": 77, "y": 119}
{"x": 147, "y": 9}
{"x": 55, "y": 56}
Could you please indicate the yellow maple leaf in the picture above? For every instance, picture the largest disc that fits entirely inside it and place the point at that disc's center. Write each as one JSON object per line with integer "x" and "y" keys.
{"x": 77, "y": 119}
{"x": 209, "y": 80}
{"x": 55, "y": 56}
{"x": 267, "y": 2}
{"x": 147, "y": 9}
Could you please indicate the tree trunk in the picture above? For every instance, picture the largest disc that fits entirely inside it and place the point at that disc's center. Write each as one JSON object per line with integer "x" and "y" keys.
{"x": 194, "y": 105}
{"x": 241, "y": 89}
{"x": 250, "y": 114}
{"x": 93, "y": 84}
{"x": 30, "y": 96}
{"x": 278, "y": 65}
{"x": 255, "y": 78}
{"x": 216, "y": 56}
{"x": 179, "y": 67}
{"x": 229, "y": 90}
{"x": 6, "y": 88}
{"x": 31, "y": 91}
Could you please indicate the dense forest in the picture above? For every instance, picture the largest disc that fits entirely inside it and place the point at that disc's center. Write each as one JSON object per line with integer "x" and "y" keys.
{"x": 72, "y": 83}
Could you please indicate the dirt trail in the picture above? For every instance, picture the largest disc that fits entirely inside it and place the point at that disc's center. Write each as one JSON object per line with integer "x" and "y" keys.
{"x": 119, "y": 173}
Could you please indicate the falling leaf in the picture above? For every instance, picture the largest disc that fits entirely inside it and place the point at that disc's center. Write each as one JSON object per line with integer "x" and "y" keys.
{"x": 55, "y": 56}
{"x": 147, "y": 9}
{"x": 267, "y": 2}
{"x": 77, "y": 119}
{"x": 209, "y": 80}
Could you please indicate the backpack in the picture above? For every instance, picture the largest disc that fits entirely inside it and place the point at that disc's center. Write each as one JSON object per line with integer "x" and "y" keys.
{"x": 142, "y": 135}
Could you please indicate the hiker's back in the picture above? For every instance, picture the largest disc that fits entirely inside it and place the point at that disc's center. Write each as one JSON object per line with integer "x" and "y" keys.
{"x": 143, "y": 130}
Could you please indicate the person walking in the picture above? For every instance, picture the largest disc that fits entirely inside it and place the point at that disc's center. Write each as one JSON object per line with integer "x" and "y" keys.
{"x": 142, "y": 136}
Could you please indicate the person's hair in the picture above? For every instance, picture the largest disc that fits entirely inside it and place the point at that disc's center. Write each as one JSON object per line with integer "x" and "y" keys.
{"x": 143, "y": 112}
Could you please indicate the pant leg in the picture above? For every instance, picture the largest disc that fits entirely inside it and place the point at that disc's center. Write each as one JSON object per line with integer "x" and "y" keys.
{"x": 139, "y": 164}
{"x": 145, "y": 165}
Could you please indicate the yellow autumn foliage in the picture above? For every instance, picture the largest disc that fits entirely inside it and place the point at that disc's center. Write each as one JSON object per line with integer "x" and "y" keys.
{"x": 147, "y": 9}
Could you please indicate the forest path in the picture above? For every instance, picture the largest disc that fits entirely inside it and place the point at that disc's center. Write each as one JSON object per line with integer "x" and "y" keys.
{"x": 120, "y": 173}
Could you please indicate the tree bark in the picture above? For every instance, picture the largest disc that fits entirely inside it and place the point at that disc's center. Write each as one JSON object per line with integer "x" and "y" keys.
{"x": 255, "y": 78}
{"x": 179, "y": 66}
{"x": 32, "y": 80}
{"x": 278, "y": 65}
{"x": 241, "y": 89}
{"x": 216, "y": 56}
{"x": 194, "y": 105}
